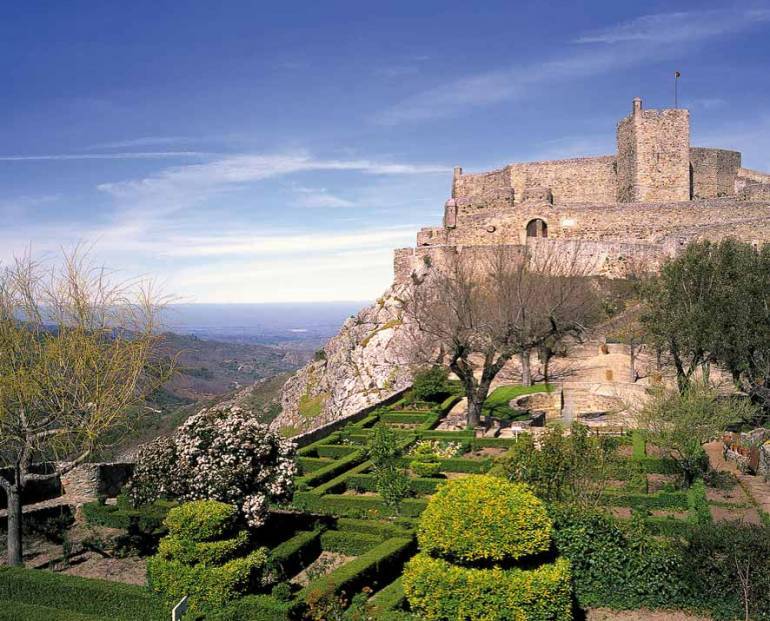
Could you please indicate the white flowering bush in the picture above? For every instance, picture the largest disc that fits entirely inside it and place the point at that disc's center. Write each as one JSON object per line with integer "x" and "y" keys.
{"x": 441, "y": 449}
{"x": 219, "y": 454}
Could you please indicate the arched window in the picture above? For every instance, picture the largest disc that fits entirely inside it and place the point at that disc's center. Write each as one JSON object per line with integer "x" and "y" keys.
{"x": 537, "y": 228}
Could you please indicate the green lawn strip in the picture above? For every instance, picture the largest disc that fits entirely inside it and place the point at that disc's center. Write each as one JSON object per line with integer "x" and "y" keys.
{"x": 17, "y": 611}
{"x": 84, "y": 596}
{"x": 498, "y": 400}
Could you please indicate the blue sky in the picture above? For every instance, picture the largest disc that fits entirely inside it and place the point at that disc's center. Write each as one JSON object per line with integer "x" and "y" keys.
{"x": 262, "y": 151}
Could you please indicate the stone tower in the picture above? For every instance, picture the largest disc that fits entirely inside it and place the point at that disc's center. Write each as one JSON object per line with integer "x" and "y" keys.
{"x": 653, "y": 158}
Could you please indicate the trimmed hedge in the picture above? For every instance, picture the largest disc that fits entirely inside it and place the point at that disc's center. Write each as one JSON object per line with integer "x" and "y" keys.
{"x": 146, "y": 519}
{"x": 380, "y": 565}
{"x": 390, "y": 598}
{"x": 292, "y": 556}
{"x": 335, "y": 451}
{"x": 83, "y": 596}
{"x": 356, "y": 506}
{"x": 405, "y": 418}
{"x": 384, "y": 530}
{"x": 350, "y": 543}
{"x": 478, "y": 443}
{"x": 645, "y": 502}
{"x": 330, "y": 471}
{"x": 418, "y": 485}
{"x": 311, "y": 464}
{"x": 439, "y": 590}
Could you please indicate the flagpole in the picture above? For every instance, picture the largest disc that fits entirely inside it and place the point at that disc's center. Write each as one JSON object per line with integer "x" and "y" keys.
{"x": 676, "y": 89}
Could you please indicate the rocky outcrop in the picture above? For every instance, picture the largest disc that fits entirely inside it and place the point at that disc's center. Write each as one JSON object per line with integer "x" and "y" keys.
{"x": 367, "y": 362}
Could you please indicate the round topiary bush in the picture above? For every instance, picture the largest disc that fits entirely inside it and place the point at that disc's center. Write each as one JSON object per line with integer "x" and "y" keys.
{"x": 437, "y": 589}
{"x": 471, "y": 535}
{"x": 201, "y": 520}
{"x": 207, "y": 557}
{"x": 484, "y": 518}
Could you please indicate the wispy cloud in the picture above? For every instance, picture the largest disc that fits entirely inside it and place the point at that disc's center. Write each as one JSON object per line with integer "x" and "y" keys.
{"x": 320, "y": 197}
{"x": 145, "y": 155}
{"x": 144, "y": 141}
{"x": 646, "y": 38}
{"x": 678, "y": 27}
{"x": 183, "y": 186}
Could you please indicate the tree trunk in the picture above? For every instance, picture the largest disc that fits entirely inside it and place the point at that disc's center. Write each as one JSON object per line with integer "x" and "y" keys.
{"x": 474, "y": 411}
{"x": 632, "y": 362}
{"x": 526, "y": 370}
{"x": 14, "y": 525}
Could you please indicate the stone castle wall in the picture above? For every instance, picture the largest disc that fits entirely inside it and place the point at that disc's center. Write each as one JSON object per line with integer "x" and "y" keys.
{"x": 578, "y": 180}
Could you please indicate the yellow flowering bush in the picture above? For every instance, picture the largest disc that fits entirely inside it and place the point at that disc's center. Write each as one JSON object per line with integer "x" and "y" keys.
{"x": 484, "y": 518}
{"x": 472, "y": 534}
{"x": 437, "y": 589}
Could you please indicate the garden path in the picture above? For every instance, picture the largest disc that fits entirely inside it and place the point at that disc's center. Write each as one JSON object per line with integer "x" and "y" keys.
{"x": 758, "y": 489}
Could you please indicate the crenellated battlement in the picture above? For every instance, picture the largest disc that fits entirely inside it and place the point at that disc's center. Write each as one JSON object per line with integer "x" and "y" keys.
{"x": 641, "y": 204}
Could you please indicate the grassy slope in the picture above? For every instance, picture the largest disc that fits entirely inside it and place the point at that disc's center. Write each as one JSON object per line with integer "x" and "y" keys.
{"x": 497, "y": 402}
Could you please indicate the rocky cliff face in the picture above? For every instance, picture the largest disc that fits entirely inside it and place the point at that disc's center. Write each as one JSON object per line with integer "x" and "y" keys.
{"x": 365, "y": 363}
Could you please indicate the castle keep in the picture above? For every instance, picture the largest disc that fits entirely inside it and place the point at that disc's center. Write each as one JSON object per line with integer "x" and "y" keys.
{"x": 644, "y": 203}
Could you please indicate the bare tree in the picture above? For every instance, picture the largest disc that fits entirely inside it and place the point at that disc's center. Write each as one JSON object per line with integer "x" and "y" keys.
{"x": 76, "y": 352}
{"x": 477, "y": 313}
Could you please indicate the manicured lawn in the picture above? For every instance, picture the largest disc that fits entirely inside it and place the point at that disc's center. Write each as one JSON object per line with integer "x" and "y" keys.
{"x": 497, "y": 402}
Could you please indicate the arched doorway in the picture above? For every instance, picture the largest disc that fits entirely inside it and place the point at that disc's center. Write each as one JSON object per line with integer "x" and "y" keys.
{"x": 537, "y": 228}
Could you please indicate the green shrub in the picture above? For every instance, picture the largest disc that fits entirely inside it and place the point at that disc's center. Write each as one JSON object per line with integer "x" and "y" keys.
{"x": 83, "y": 596}
{"x": 207, "y": 585}
{"x": 431, "y": 384}
{"x": 202, "y": 552}
{"x": 484, "y": 518}
{"x": 719, "y": 558}
{"x": 192, "y": 561}
{"x": 255, "y": 608}
{"x": 201, "y": 520}
{"x": 425, "y": 468}
{"x": 615, "y": 567}
{"x": 439, "y": 590}
{"x": 697, "y": 503}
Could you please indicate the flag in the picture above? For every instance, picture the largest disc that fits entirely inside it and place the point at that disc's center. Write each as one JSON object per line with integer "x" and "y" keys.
{"x": 677, "y": 74}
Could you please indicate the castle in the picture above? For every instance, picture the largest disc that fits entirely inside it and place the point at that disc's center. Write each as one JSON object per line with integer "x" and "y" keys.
{"x": 644, "y": 203}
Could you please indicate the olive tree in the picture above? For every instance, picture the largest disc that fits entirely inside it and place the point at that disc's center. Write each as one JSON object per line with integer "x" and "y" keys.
{"x": 76, "y": 352}
{"x": 478, "y": 313}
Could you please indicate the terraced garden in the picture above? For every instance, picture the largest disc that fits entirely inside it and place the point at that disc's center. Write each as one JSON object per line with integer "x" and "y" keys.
{"x": 340, "y": 543}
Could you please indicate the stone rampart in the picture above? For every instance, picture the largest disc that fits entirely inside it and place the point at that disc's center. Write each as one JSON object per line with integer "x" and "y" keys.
{"x": 713, "y": 172}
